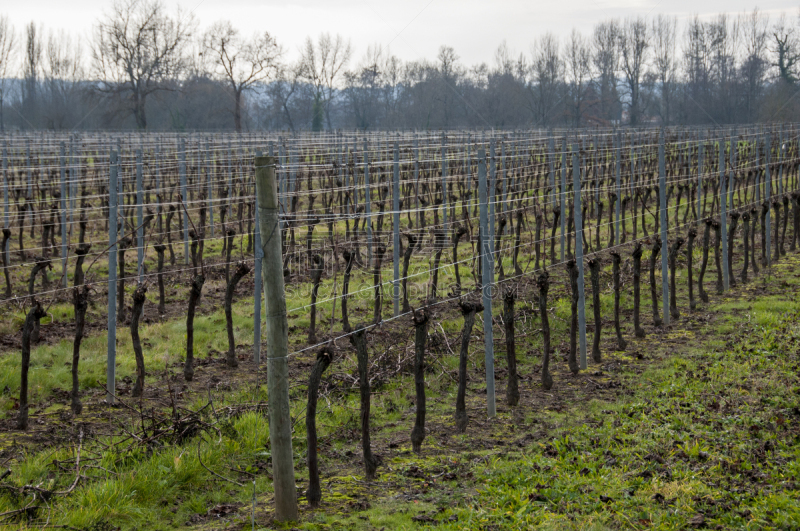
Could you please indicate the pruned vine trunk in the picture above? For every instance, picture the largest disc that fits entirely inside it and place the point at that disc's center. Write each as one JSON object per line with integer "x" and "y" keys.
{"x": 194, "y": 297}
{"x": 138, "y": 304}
{"x": 637, "y": 284}
{"x": 314, "y": 491}
{"x": 512, "y": 389}
{"x": 316, "y": 275}
{"x": 359, "y": 340}
{"x": 34, "y": 314}
{"x": 654, "y": 251}
{"x": 690, "y": 267}
{"x": 420, "y": 320}
{"x": 468, "y": 310}
{"x": 543, "y": 282}
{"x": 673, "y": 267}
{"x": 594, "y": 273}
{"x": 704, "y": 262}
{"x": 572, "y": 356}
{"x": 241, "y": 270}
{"x": 615, "y": 259}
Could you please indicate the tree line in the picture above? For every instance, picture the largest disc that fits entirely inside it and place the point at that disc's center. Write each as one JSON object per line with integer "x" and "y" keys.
{"x": 145, "y": 68}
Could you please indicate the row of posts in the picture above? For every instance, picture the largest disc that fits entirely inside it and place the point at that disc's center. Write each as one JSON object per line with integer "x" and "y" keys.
{"x": 487, "y": 201}
{"x": 272, "y": 273}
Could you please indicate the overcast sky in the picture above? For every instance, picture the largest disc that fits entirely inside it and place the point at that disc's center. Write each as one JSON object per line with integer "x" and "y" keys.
{"x": 412, "y": 29}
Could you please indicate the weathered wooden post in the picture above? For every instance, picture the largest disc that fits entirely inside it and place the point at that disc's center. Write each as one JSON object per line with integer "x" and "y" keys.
{"x": 280, "y": 424}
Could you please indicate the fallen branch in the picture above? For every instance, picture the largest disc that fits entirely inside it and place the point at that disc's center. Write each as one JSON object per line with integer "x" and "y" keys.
{"x": 211, "y": 471}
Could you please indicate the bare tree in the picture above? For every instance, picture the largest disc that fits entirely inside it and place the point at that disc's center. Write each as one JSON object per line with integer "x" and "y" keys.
{"x": 548, "y": 70}
{"x": 697, "y": 69}
{"x": 723, "y": 39}
{"x": 282, "y": 92}
{"x": 503, "y": 60}
{"x": 137, "y": 49}
{"x": 363, "y": 88}
{"x": 633, "y": 47}
{"x": 6, "y": 56}
{"x": 786, "y": 44}
{"x": 664, "y": 61}
{"x": 30, "y": 72}
{"x": 754, "y": 66}
{"x": 240, "y": 62}
{"x": 605, "y": 59}
{"x": 449, "y": 73}
{"x": 321, "y": 65}
{"x": 63, "y": 72}
{"x": 578, "y": 57}
{"x": 391, "y": 92}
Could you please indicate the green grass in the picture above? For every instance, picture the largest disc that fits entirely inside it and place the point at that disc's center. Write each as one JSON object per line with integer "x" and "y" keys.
{"x": 729, "y": 454}
{"x": 704, "y": 434}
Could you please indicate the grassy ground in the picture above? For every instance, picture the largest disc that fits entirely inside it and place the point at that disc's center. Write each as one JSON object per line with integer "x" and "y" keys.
{"x": 694, "y": 426}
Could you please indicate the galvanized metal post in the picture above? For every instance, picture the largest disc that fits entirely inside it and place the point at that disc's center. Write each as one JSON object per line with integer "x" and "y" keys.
{"x": 73, "y": 179}
{"x": 6, "y": 214}
{"x": 551, "y": 158}
{"x": 492, "y": 187}
{"x": 723, "y": 212}
{"x": 781, "y": 155}
{"x": 468, "y": 169}
{"x": 618, "y": 172}
{"x": 504, "y": 177}
{"x": 396, "y": 230}
{"x": 700, "y": 171}
{"x": 758, "y": 167}
{"x": 206, "y": 159}
{"x": 258, "y": 256}
{"x": 576, "y": 186}
{"x": 563, "y": 193}
{"x": 487, "y": 281}
{"x": 444, "y": 183}
{"x": 139, "y": 218}
{"x": 367, "y": 206}
{"x": 732, "y": 169}
{"x": 767, "y": 196}
{"x": 229, "y": 177}
{"x": 111, "y": 358}
{"x": 415, "y": 150}
{"x": 63, "y": 203}
{"x": 184, "y": 198}
{"x": 662, "y": 188}
{"x": 159, "y": 192}
{"x": 29, "y": 196}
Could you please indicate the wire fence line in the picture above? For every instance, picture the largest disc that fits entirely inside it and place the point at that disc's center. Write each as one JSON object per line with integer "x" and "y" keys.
{"x": 421, "y": 215}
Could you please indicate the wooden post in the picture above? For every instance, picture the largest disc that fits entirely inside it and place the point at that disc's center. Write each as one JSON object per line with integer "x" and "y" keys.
{"x": 280, "y": 422}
